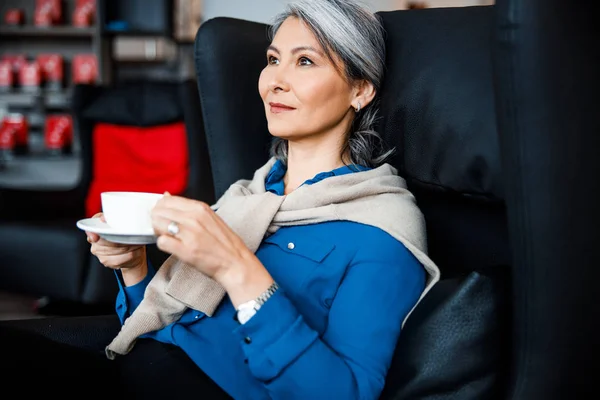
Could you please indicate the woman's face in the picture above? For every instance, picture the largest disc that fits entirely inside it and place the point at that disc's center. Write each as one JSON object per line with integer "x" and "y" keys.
{"x": 304, "y": 93}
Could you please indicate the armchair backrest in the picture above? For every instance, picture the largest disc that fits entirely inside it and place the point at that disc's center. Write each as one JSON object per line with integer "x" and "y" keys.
{"x": 229, "y": 55}
{"x": 437, "y": 110}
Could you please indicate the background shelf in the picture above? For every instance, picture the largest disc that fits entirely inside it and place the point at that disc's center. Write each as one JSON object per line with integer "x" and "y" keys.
{"x": 41, "y": 172}
{"x": 52, "y": 32}
{"x": 46, "y": 98}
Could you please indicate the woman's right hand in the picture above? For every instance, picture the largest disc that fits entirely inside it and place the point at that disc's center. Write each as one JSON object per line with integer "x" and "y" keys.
{"x": 115, "y": 255}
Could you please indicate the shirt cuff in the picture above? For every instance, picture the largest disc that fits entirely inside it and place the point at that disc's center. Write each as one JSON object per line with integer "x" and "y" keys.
{"x": 135, "y": 293}
{"x": 129, "y": 297}
{"x": 274, "y": 337}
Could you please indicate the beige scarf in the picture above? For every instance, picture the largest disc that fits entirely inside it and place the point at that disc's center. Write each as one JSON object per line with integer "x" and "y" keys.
{"x": 377, "y": 197}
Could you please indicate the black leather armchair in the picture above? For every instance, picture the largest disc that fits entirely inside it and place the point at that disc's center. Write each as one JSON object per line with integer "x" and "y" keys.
{"x": 508, "y": 185}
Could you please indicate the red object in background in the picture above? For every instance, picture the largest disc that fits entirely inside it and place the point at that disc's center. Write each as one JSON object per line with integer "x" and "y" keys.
{"x": 58, "y": 132}
{"x": 20, "y": 124}
{"x": 85, "y": 13}
{"x": 16, "y": 60}
{"x": 7, "y": 77}
{"x": 14, "y": 16}
{"x": 47, "y": 12}
{"x": 153, "y": 159}
{"x": 30, "y": 76}
{"x": 7, "y": 137}
{"x": 52, "y": 68}
{"x": 85, "y": 69}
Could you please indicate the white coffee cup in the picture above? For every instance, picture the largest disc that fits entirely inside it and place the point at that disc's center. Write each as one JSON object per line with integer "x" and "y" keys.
{"x": 129, "y": 212}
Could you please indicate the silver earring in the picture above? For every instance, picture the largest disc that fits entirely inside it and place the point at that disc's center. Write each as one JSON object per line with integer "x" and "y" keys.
{"x": 358, "y": 107}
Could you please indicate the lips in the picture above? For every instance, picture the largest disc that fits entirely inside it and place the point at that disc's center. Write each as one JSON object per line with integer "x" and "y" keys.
{"x": 278, "y": 108}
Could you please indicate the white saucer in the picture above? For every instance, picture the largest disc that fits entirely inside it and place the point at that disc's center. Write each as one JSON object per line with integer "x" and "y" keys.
{"x": 96, "y": 225}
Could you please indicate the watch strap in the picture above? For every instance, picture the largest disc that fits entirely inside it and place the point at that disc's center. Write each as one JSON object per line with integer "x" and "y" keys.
{"x": 264, "y": 296}
{"x": 250, "y": 308}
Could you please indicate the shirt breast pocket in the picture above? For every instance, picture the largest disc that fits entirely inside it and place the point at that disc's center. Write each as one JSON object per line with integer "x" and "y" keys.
{"x": 292, "y": 259}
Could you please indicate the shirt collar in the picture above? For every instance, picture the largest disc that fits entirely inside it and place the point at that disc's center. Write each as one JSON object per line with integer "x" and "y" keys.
{"x": 274, "y": 180}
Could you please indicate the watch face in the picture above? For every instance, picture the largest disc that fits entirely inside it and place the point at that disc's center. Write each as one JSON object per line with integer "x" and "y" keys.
{"x": 245, "y": 314}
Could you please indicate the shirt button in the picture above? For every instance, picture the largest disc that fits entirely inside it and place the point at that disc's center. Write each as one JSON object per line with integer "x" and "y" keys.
{"x": 291, "y": 246}
{"x": 247, "y": 340}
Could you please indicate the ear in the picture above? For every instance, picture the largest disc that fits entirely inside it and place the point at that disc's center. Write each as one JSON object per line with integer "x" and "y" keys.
{"x": 363, "y": 93}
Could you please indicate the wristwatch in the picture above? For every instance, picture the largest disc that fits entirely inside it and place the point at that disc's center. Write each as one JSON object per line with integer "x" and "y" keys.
{"x": 246, "y": 310}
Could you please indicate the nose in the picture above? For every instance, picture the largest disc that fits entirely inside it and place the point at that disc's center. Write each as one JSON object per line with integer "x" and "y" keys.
{"x": 279, "y": 81}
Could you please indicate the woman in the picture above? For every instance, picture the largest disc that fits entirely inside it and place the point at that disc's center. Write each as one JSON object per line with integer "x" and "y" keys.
{"x": 296, "y": 283}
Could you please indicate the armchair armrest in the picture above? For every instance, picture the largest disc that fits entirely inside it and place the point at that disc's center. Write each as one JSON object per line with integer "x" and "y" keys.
{"x": 88, "y": 332}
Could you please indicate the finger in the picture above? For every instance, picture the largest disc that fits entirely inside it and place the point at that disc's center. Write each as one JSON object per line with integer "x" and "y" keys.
{"x": 161, "y": 225}
{"x": 181, "y": 203}
{"x": 186, "y": 234}
{"x": 213, "y": 223}
{"x": 201, "y": 217}
{"x": 112, "y": 251}
{"x": 171, "y": 245}
{"x": 121, "y": 261}
{"x": 101, "y": 251}
{"x": 102, "y": 243}
{"x": 92, "y": 237}
{"x": 200, "y": 220}
{"x": 195, "y": 211}
{"x": 162, "y": 217}
{"x": 100, "y": 215}
{"x": 106, "y": 243}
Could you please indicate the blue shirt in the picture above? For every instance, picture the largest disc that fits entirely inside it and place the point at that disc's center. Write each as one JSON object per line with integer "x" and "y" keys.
{"x": 329, "y": 332}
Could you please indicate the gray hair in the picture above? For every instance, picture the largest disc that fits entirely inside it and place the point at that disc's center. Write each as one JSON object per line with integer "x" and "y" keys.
{"x": 356, "y": 36}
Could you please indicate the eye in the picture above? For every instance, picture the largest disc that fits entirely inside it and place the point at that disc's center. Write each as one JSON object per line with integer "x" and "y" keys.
{"x": 305, "y": 61}
{"x": 272, "y": 60}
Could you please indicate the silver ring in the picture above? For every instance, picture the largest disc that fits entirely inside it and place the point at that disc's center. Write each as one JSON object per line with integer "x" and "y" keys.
{"x": 173, "y": 228}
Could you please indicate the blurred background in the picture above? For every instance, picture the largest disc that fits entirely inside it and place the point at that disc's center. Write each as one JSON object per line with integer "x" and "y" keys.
{"x": 104, "y": 41}
{"x": 48, "y": 48}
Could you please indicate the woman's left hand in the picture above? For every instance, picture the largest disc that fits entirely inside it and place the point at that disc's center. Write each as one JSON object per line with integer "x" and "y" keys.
{"x": 203, "y": 239}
